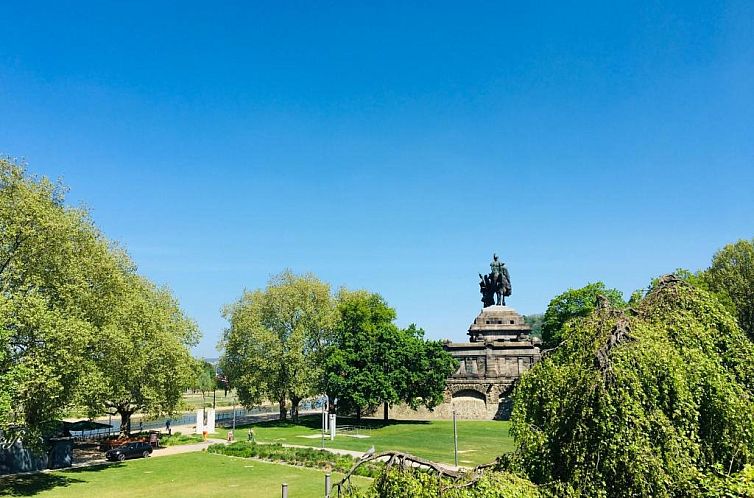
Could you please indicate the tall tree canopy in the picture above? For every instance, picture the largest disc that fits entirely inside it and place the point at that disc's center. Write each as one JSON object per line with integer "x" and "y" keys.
{"x": 274, "y": 346}
{"x": 143, "y": 355}
{"x": 63, "y": 292}
{"x": 653, "y": 401}
{"x": 373, "y": 362}
{"x": 574, "y": 303}
{"x": 59, "y": 280}
{"x": 732, "y": 275}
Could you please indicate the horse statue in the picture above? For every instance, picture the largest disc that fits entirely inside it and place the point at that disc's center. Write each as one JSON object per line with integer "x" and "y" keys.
{"x": 496, "y": 286}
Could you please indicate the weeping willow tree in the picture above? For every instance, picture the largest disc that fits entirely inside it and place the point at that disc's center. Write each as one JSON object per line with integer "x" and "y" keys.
{"x": 655, "y": 400}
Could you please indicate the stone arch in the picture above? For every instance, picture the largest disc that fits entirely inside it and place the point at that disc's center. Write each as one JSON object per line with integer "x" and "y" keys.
{"x": 470, "y": 393}
{"x": 469, "y": 403}
{"x": 457, "y": 388}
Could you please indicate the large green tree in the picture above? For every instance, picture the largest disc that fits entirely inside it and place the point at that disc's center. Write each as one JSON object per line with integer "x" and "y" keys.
{"x": 373, "y": 362}
{"x": 59, "y": 281}
{"x": 731, "y": 275}
{"x": 68, "y": 300}
{"x": 143, "y": 357}
{"x": 277, "y": 337}
{"x": 354, "y": 373}
{"x": 571, "y": 304}
{"x": 656, "y": 400}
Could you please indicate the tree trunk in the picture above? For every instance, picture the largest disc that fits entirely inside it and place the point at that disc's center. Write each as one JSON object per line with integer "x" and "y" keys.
{"x": 358, "y": 414}
{"x": 125, "y": 422}
{"x": 294, "y": 409}
{"x": 385, "y": 412}
{"x": 283, "y": 415}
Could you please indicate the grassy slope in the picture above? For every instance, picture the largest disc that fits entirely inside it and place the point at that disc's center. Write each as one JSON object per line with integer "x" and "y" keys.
{"x": 479, "y": 441}
{"x": 189, "y": 474}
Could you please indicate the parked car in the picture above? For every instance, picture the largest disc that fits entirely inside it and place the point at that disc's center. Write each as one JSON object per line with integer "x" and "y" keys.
{"x": 129, "y": 450}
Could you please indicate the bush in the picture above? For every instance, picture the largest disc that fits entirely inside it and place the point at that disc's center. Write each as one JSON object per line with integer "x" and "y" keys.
{"x": 656, "y": 401}
{"x": 306, "y": 457}
{"x": 398, "y": 483}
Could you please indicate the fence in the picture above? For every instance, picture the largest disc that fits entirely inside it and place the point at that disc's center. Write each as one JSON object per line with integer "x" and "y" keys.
{"x": 222, "y": 415}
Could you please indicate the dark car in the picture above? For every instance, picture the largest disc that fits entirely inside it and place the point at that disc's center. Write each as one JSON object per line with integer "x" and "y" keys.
{"x": 129, "y": 450}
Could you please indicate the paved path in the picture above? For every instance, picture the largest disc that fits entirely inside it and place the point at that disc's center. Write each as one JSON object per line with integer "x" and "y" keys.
{"x": 185, "y": 448}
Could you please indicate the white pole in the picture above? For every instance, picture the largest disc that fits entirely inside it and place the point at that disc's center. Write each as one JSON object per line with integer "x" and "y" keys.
{"x": 455, "y": 440}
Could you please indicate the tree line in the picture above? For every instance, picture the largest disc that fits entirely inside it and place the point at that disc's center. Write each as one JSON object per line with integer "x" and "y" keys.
{"x": 81, "y": 329}
{"x": 297, "y": 339}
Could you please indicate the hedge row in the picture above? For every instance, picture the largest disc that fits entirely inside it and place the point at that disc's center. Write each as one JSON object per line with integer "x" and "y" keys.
{"x": 307, "y": 457}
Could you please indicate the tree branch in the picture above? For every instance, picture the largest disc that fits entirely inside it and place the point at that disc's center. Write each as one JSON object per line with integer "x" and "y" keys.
{"x": 403, "y": 460}
{"x": 11, "y": 253}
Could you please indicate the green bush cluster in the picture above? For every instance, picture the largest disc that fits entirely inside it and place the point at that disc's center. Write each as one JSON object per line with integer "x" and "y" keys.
{"x": 721, "y": 485}
{"x": 399, "y": 483}
{"x": 664, "y": 410}
{"x": 307, "y": 457}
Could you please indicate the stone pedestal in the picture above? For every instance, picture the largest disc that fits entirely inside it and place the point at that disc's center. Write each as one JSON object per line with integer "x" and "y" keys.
{"x": 200, "y": 421}
{"x": 498, "y": 352}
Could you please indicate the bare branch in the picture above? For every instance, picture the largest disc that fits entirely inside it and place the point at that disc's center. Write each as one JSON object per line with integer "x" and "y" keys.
{"x": 403, "y": 460}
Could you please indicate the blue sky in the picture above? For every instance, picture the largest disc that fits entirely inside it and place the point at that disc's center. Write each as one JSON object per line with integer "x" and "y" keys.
{"x": 391, "y": 146}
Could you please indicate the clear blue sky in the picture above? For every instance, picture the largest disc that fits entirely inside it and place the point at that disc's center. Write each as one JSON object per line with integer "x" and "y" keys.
{"x": 391, "y": 147}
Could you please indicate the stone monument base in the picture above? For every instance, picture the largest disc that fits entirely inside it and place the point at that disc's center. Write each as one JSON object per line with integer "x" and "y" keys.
{"x": 498, "y": 352}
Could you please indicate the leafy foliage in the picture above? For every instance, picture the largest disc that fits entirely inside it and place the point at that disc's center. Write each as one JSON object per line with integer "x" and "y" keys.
{"x": 572, "y": 304}
{"x": 308, "y": 457}
{"x": 401, "y": 483}
{"x": 731, "y": 275}
{"x": 535, "y": 320}
{"x": 372, "y": 361}
{"x": 274, "y": 346}
{"x": 68, "y": 299}
{"x": 143, "y": 356}
{"x": 652, "y": 402}
{"x": 204, "y": 379}
{"x": 57, "y": 281}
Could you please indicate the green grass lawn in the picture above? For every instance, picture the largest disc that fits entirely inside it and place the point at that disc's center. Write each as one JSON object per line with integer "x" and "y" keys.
{"x": 189, "y": 474}
{"x": 479, "y": 441}
{"x": 192, "y": 401}
{"x": 178, "y": 439}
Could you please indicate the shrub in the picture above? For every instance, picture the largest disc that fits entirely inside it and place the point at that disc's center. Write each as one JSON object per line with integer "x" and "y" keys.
{"x": 656, "y": 401}
{"x": 411, "y": 483}
{"x": 307, "y": 457}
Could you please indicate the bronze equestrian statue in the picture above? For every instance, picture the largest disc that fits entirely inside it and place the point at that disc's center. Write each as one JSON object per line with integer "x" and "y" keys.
{"x": 496, "y": 286}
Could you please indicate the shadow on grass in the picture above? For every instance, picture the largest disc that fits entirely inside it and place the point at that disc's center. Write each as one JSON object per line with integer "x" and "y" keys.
{"x": 31, "y": 484}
